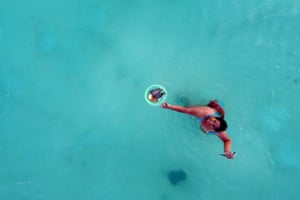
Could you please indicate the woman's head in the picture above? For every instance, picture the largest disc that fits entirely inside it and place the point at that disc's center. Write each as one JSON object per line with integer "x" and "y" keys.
{"x": 222, "y": 124}
{"x": 216, "y": 123}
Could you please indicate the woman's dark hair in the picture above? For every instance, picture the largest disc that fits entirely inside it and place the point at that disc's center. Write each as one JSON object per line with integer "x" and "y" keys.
{"x": 223, "y": 124}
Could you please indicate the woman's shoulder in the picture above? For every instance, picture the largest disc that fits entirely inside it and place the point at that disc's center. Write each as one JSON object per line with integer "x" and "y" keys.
{"x": 204, "y": 111}
{"x": 217, "y": 106}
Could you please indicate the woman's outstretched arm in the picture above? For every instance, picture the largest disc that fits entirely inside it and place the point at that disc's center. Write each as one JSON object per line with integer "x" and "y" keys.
{"x": 187, "y": 110}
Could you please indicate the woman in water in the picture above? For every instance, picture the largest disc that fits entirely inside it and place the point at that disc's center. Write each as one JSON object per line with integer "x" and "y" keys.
{"x": 211, "y": 119}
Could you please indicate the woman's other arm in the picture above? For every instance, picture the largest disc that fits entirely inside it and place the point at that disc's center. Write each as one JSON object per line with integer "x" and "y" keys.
{"x": 227, "y": 144}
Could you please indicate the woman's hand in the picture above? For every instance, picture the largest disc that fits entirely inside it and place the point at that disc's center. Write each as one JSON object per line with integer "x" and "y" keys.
{"x": 165, "y": 105}
{"x": 229, "y": 155}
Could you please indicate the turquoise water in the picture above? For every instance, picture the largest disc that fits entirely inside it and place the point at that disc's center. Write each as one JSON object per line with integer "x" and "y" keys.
{"x": 74, "y": 122}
